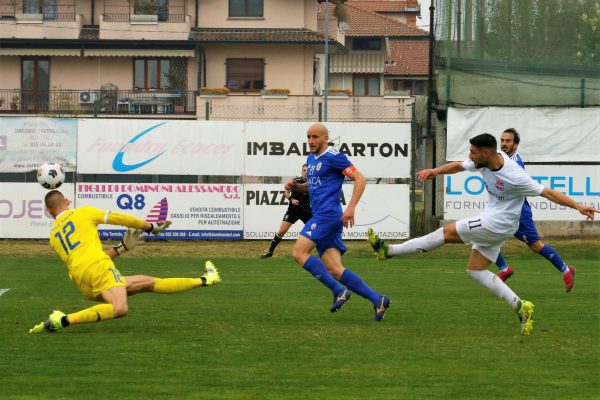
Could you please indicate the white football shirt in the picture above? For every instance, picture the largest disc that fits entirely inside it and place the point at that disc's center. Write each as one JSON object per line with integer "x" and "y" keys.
{"x": 507, "y": 188}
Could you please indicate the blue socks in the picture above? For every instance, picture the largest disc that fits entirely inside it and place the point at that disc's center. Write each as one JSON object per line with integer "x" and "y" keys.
{"x": 551, "y": 255}
{"x": 547, "y": 252}
{"x": 356, "y": 285}
{"x": 348, "y": 278}
{"x": 318, "y": 270}
{"x": 501, "y": 263}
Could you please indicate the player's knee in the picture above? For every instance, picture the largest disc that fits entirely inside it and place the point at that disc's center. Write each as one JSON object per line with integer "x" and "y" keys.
{"x": 299, "y": 256}
{"x": 537, "y": 246}
{"x": 120, "y": 310}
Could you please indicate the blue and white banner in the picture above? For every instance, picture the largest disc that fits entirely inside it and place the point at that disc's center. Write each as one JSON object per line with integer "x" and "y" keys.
{"x": 22, "y": 211}
{"x": 160, "y": 147}
{"x": 198, "y": 211}
{"x": 385, "y": 208}
{"x": 259, "y": 148}
{"x": 466, "y": 196}
{"x": 26, "y": 143}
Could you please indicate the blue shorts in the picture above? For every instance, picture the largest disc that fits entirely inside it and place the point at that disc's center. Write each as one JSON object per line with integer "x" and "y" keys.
{"x": 527, "y": 231}
{"x": 325, "y": 233}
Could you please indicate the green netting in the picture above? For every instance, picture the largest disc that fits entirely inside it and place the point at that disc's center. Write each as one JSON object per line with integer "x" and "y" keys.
{"x": 518, "y": 52}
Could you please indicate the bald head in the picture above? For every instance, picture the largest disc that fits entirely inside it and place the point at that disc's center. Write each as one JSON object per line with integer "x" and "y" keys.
{"x": 318, "y": 137}
{"x": 55, "y": 202}
{"x": 318, "y": 128}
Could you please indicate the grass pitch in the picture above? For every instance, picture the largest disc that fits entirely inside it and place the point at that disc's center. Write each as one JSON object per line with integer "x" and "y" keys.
{"x": 266, "y": 332}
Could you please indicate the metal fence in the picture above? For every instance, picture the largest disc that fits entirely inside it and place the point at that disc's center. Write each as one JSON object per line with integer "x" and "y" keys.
{"x": 519, "y": 53}
{"x": 210, "y": 110}
{"x": 76, "y": 102}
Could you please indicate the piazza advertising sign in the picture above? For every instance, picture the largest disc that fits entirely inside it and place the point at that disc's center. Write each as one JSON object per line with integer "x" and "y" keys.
{"x": 198, "y": 211}
{"x": 385, "y": 208}
{"x": 22, "y": 211}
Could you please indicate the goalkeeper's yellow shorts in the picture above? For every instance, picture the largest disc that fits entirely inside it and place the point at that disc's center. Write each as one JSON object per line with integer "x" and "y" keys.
{"x": 97, "y": 278}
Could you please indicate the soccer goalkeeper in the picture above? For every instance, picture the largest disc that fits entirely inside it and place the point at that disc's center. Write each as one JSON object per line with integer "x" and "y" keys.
{"x": 75, "y": 240}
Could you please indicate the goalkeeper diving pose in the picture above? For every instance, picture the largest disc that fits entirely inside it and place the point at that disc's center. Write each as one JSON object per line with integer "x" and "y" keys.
{"x": 75, "y": 240}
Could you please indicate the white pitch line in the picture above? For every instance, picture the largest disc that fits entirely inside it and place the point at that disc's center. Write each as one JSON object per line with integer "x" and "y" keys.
{"x": 2, "y": 291}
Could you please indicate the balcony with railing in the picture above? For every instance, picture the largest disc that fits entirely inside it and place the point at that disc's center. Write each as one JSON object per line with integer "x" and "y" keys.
{"x": 124, "y": 103}
{"x": 145, "y": 19}
{"x": 33, "y": 20}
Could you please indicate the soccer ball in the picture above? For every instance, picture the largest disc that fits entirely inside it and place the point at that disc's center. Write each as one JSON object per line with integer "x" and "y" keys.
{"x": 50, "y": 176}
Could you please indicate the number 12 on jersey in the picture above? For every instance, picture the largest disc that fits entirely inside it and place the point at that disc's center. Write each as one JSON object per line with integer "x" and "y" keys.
{"x": 65, "y": 242}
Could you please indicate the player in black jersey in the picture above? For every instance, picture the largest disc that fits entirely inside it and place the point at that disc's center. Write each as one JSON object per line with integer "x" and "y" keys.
{"x": 299, "y": 209}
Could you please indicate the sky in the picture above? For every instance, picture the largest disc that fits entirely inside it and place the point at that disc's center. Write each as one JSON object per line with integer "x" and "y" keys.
{"x": 423, "y": 23}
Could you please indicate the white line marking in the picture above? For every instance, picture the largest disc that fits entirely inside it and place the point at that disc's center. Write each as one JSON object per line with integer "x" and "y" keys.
{"x": 2, "y": 291}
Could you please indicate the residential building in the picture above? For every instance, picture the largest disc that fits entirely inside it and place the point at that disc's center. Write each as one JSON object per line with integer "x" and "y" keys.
{"x": 151, "y": 58}
{"x": 385, "y": 56}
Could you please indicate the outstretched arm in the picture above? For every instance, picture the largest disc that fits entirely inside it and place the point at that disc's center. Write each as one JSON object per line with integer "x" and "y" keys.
{"x": 559, "y": 198}
{"x": 131, "y": 239}
{"x": 130, "y": 221}
{"x": 360, "y": 182}
{"x": 449, "y": 168}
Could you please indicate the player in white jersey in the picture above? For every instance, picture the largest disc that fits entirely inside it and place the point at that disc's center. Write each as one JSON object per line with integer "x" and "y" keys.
{"x": 527, "y": 232}
{"x": 507, "y": 185}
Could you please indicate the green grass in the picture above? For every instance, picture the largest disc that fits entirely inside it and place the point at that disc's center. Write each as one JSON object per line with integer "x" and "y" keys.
{"x": 266, "y": 333}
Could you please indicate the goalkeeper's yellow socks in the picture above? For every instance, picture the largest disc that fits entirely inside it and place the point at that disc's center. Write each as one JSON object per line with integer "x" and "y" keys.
{"x": 96, "y": 313}
{"x": 175, "y": 285}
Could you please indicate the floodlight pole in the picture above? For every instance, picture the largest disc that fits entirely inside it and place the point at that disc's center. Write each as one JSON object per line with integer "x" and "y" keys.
{"x": 326, "y": 60}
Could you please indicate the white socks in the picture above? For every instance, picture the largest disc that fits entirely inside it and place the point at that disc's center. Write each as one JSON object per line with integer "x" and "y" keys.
{"x": 496, "y": 286}
{"x": 423, "y": 243}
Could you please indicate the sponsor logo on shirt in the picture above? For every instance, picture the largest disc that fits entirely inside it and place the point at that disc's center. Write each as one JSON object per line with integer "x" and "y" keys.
{"x": 318, "y": 166}
{"x": 499, "y": 184}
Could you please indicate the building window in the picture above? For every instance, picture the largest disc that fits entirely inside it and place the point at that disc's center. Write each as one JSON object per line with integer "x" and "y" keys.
{"x": 46, "y": 7}
{"x": 366, "y": 44}
{"x": 152, "y": 7}
{"x": 414, "y": 87}
{"x": 245, "y": 74}
{"x": 365, "y": 85}
{"x": 159, "y": 73}
{"x": 35, "y": 82}
{"x": 246, "y": 8}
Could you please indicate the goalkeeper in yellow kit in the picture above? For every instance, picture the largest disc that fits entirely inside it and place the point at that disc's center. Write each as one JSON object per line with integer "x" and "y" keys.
{"x": 75, "y": 240}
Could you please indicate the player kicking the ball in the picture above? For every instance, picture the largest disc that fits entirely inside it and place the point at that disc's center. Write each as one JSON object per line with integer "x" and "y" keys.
{"x": 75, "y": 240}
{"x": 507, "y": 185}
{"x": 527, "y": 232}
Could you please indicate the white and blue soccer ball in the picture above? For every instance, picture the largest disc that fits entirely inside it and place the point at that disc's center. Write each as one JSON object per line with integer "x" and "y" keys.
{"x": 50, "y": 176}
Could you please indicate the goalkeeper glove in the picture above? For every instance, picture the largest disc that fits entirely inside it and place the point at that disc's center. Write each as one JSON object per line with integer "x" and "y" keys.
{"x": 132, "y": 238}
{"x": 156, "y": 228}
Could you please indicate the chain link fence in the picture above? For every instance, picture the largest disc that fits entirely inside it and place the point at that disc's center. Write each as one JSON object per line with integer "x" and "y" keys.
{"x": 518, "y": 53}
{"x": 306, "y": 108}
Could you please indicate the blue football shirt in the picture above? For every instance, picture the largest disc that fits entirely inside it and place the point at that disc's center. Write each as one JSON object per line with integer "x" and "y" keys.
{"x": 325, "y": 178}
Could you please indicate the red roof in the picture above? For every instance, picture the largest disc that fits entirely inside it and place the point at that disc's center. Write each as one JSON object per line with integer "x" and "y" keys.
{"x": 409, "y": 57}
{"x": 367, "y": 23}
{"x": 384, "y": 6}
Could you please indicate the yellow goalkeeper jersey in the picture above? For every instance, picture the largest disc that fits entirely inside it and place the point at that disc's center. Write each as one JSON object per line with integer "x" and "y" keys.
{"x": 74, "y": 237}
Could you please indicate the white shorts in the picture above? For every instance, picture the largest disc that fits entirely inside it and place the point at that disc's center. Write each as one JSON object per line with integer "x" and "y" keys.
{"x": 486, "y": 242}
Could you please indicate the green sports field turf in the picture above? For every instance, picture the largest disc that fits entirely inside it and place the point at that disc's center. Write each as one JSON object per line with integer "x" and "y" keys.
{"x": 266, "y": 333}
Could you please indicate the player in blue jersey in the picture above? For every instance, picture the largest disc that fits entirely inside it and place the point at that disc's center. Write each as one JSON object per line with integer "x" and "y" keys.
{"x": 327, "y": 169}
{"x": 527, "y": 232}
